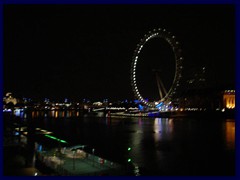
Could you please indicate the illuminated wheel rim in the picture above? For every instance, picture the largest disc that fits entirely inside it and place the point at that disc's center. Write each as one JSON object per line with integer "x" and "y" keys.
{"x": 158, "y": 33}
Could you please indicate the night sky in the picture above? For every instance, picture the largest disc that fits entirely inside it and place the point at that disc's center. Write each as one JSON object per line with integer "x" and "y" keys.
{"x": 85, "y": 51}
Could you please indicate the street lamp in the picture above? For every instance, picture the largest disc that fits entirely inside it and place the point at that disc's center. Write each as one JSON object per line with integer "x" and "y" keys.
{"x": 93, "y": 154}
{"x": 74, "y": 152}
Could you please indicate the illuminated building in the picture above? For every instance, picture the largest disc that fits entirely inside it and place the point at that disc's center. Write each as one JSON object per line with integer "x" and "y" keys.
{"x": 229, "y": 99}
{"x": 9, "y": 99}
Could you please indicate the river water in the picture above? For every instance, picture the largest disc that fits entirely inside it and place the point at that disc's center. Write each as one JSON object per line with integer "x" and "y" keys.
{"x": 159, "y": 146}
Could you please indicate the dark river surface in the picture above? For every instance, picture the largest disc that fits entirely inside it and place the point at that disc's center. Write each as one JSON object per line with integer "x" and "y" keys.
{"x": 159, "y": 146}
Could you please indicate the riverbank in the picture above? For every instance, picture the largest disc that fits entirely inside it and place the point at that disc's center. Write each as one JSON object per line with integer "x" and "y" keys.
{"x": 176, "y": 114}
{"x": 76, "y": 162}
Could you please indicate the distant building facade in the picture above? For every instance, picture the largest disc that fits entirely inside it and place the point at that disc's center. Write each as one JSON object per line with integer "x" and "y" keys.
{"x": 229, "y": 99}
{"x": 9, "y": 99}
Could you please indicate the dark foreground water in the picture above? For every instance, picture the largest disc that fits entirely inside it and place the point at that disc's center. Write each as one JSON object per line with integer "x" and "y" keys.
{"x": 160, "y": 146}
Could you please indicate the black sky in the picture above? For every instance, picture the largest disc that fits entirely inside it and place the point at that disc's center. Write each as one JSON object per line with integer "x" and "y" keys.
{"x": 85, "y": 51}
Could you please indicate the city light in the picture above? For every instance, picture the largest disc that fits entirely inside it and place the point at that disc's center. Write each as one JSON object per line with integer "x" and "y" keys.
{"x": 229, "y": 99}
{"x": 82, "y": 85}
{"x": 52, "y": 137}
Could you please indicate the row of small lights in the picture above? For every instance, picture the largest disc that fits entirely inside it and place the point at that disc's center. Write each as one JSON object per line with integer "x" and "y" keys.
{"x": 230, "y": 91}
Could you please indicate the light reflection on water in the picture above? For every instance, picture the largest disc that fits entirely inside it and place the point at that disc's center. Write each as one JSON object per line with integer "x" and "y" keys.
{"x": 163, "y": 128}
{"x": 230, "y": 134}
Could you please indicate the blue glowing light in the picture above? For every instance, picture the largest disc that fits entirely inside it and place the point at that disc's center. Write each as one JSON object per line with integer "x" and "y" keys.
{"x": 136, "y": 101}
{"x": 159, "y": 105}
{"x": 140, "y": 107}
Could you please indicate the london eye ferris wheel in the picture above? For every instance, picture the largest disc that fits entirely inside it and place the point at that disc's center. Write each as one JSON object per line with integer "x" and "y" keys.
{"x": 165, "y": 95}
